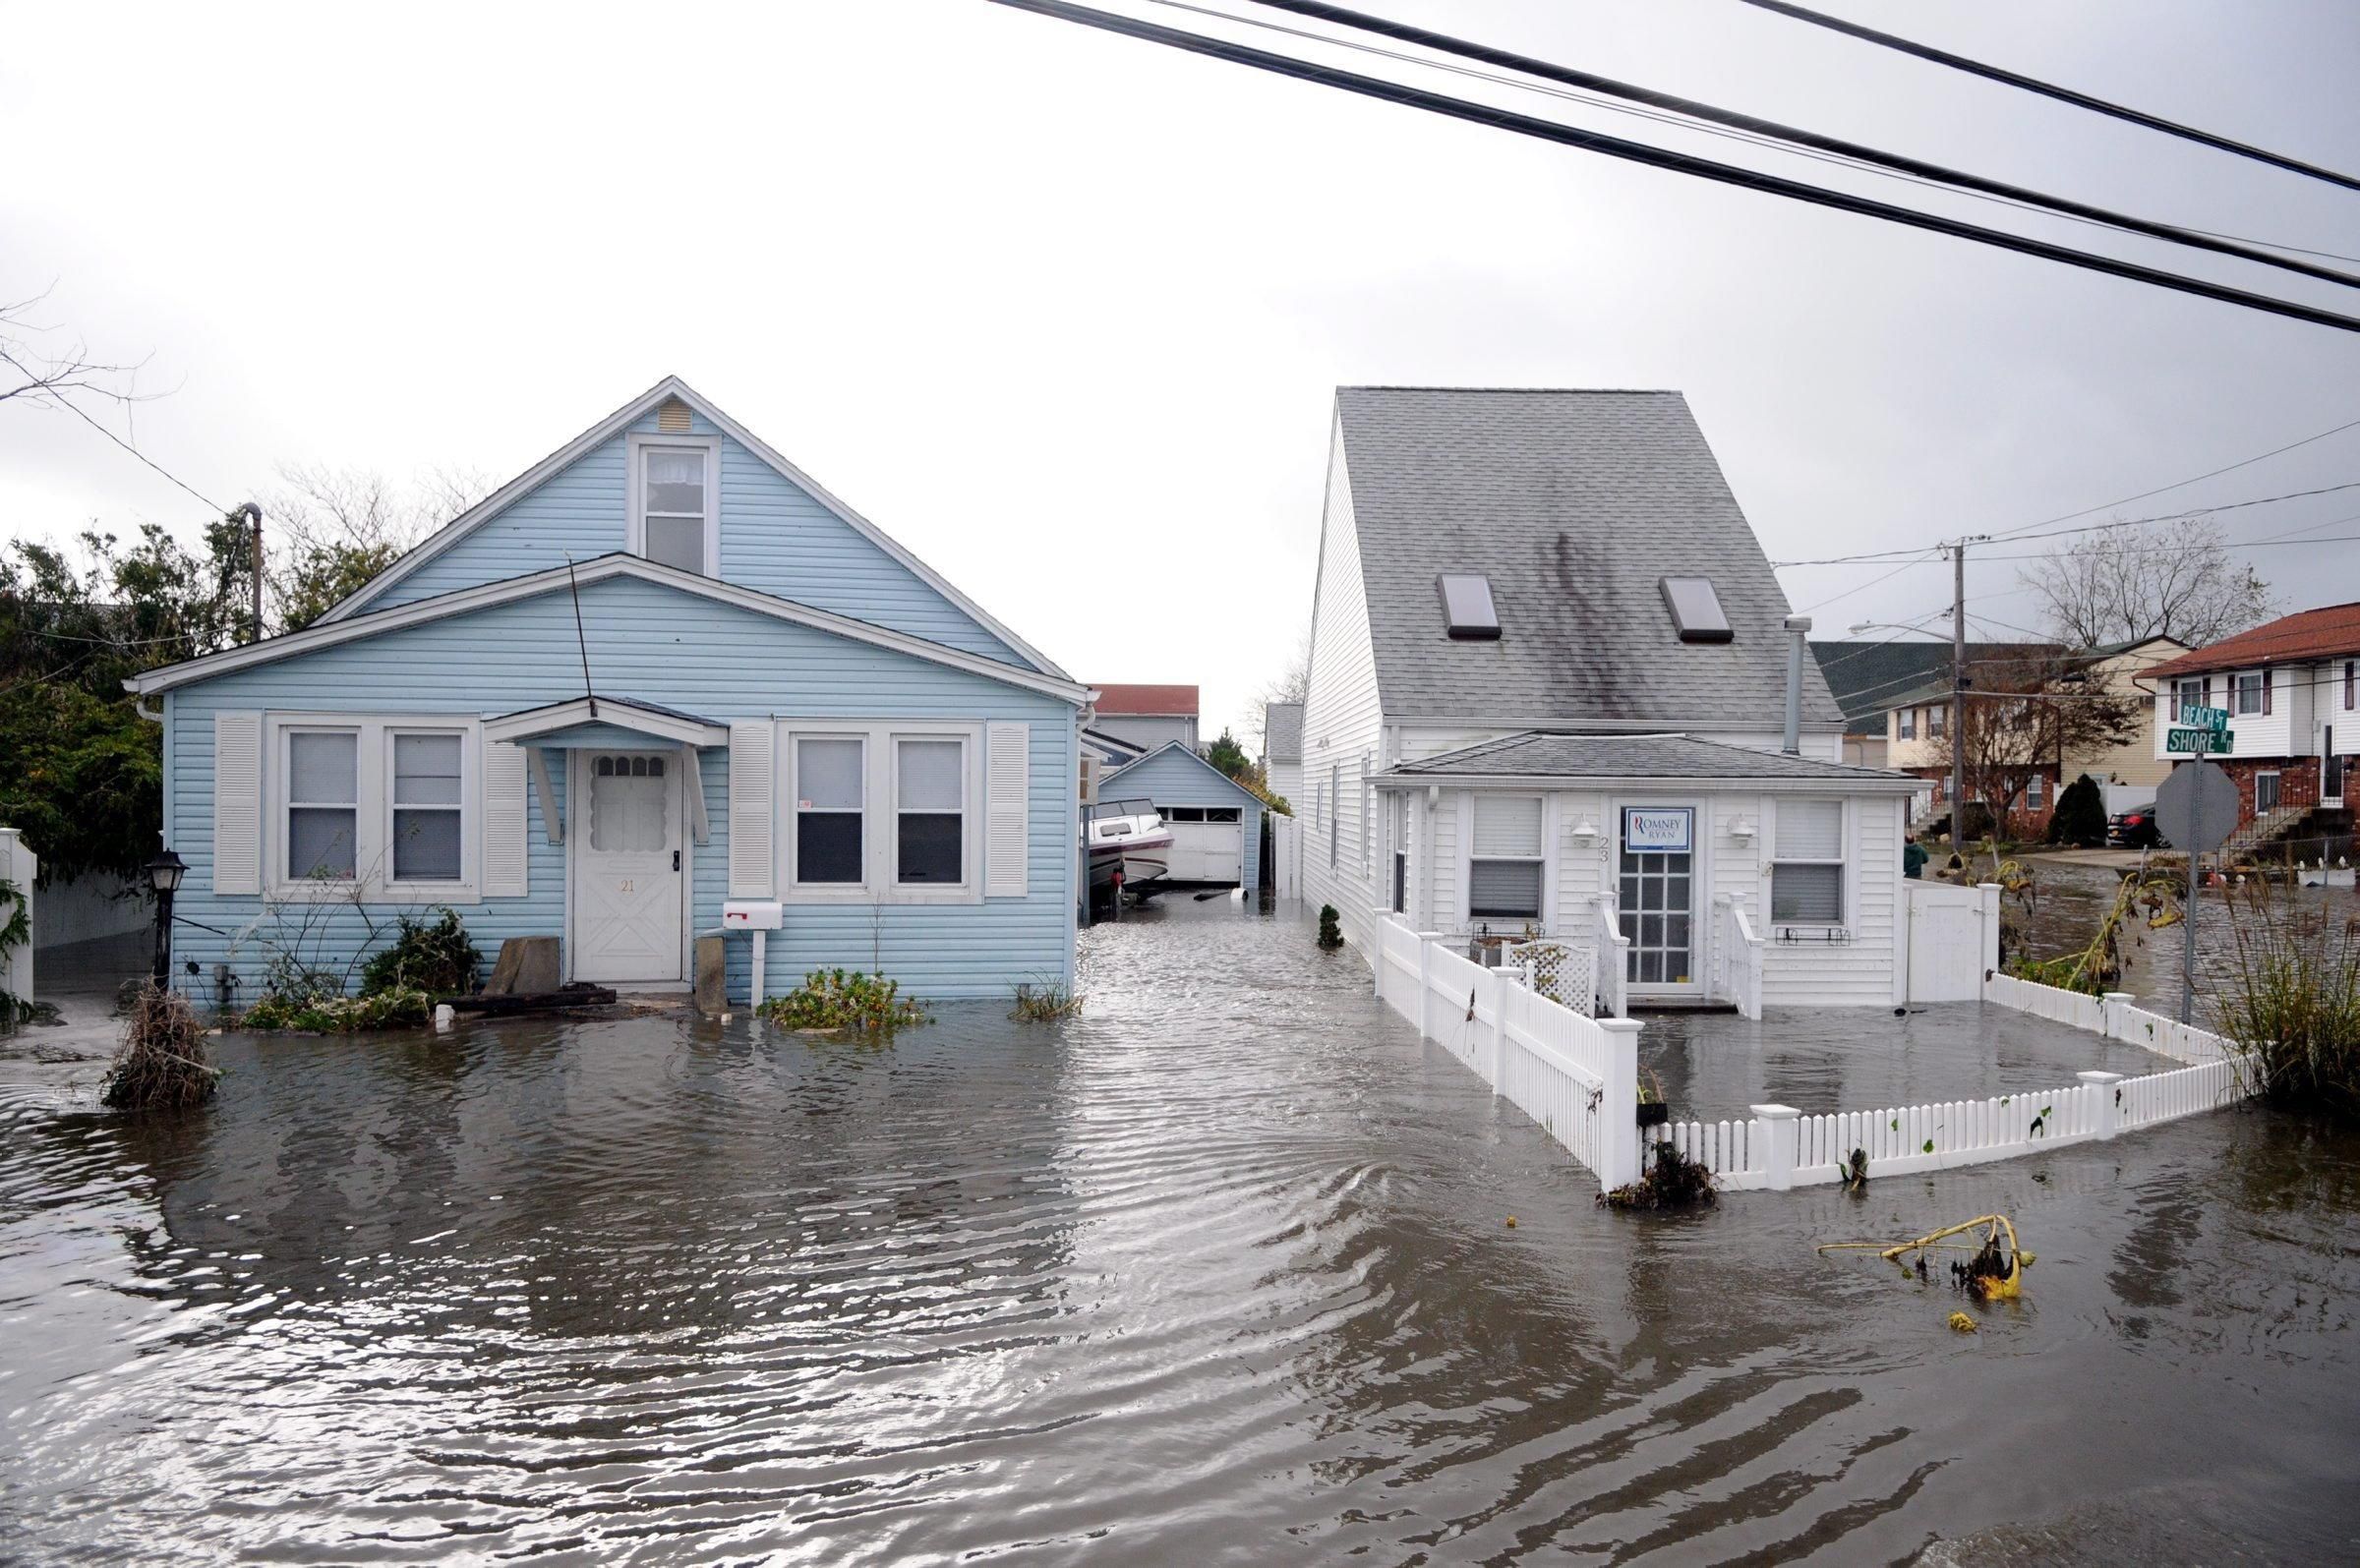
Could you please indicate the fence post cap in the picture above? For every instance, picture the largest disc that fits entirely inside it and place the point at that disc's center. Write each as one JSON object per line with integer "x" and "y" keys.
{"x": 1621, "y": 1025}
{"x": 1775, "y": 1113}
{"x": 2119, "y": 996}
{"x": 2100, "y": 1077}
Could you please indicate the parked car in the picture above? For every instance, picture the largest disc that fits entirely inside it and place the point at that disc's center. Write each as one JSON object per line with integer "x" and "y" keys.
{"x": 2134, "y": 829}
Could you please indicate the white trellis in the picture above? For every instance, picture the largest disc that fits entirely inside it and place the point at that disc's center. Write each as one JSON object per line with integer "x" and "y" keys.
{"x": 1558, "y": 970}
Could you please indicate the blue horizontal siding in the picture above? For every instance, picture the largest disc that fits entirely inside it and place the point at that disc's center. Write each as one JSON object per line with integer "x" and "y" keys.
{"x": 659, "y": 645}
{"x": 775, "y": 536}
{"x": 1182, "y": 779}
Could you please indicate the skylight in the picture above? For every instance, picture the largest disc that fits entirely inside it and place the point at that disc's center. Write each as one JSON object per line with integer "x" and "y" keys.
{"x": 1468, "y": 608}
{"x": 1696, "y": 609}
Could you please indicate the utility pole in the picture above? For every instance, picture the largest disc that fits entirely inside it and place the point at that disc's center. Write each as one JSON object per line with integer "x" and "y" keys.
{"x": 253, "y": 516}
{"x": 1958, "y": 693}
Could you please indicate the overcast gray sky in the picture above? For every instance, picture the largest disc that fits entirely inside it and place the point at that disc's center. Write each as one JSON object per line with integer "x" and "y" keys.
{"x": 1064, "y": 311}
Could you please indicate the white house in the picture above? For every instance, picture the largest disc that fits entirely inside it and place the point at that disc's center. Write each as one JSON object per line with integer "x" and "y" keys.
{"x": 1555, "y": 687}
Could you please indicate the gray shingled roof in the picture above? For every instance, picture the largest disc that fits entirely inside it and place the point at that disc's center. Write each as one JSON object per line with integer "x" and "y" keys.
{"x": 1542, "y": 754}
{"x": 1282, "y": 731}
{"x": 1869, "y": 678}
{"x": 1575, "y": 504}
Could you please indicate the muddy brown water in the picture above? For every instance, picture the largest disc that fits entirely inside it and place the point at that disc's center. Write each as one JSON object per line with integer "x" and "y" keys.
{"x": 1219, "y": 1272}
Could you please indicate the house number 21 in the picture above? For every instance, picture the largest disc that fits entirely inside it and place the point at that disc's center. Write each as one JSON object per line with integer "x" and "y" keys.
{"x": 626, "y": 886}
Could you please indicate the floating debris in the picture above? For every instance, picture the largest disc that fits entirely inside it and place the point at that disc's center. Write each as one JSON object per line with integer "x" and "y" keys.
{"x": 1962, "y": 1322}
{"x": 1994, "y": 1273}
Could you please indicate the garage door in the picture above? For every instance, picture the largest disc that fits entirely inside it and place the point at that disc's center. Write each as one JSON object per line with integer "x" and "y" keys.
{"x": 1208, "y": 842}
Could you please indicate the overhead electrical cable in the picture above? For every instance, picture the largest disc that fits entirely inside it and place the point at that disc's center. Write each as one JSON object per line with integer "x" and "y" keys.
{"x": 2182, "y": 483}
{"x": 1776, "y": 131}
{"x": 1664, "y": 158}
{"x": 68, "y": 405}
{"x": 2050, "y": 90}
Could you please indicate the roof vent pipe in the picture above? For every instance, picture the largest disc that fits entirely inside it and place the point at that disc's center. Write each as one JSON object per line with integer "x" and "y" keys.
{"x": 1798, "y": 627}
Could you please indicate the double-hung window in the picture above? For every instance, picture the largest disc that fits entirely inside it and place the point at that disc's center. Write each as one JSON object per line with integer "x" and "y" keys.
{"x": 429, "y": 836}
{"x": 1908, "y": 724}
{"x": 323, "y": 805}
{"x": 1504, "y": 869}
{"x": 2033, "y": 791}
{"x": 929, "y": 811}
{"x": 830, "y": 797}
{"x": 1806, "y": 868}
{"x": 2252, "y": 691}
{"x": 674, "y": 507}
{"x": 2187, "y": 695}
{"x": 1937, "y": 720}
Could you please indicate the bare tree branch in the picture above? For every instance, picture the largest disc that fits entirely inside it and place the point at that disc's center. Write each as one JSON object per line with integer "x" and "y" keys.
{"x": 2175, "y": 580}
{"x": 51, "y": 371}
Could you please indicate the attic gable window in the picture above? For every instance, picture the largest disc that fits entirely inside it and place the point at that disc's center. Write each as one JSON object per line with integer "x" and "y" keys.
{"x": 676, "y": 503}
{"x": 1467, "y": 609}
{"x": 1696, "y": 609}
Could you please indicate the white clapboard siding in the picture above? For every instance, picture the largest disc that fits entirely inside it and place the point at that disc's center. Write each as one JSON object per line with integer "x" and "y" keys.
{"x": 1006, "y": 810}
{"x": 237, "y": 802}
{"x": 753, "y": 777}
{"x": 505, "y": 854}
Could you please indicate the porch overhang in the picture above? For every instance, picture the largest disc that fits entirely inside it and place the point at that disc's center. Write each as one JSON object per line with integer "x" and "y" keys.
{"x": 593, "y": 722}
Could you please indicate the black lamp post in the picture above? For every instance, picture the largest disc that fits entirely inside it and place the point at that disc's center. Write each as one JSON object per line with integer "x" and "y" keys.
{"x": 163, "y": 875}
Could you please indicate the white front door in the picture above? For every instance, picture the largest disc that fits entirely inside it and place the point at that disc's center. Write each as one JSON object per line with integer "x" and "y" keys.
{"x": 628, "y": 888}
{"x": 1656, "y": 891}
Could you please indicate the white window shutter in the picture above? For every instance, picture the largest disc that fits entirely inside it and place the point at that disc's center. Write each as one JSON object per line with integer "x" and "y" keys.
{"x": 754, "y": 784}
{"x": 1007, "y": 809}
{"x": 237, "y": 802}
{"x": 505, "y": 870}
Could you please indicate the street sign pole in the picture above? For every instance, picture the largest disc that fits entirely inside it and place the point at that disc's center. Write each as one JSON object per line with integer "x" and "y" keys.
{"x": 2196, "y": 808}
{"x": 2195, "y": 823}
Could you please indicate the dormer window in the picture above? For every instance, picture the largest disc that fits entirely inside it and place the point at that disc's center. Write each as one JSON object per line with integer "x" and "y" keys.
{"x": 1696, "y": 609}
{"x": 1467, "y": 609}
{"x": 676, "y": 503}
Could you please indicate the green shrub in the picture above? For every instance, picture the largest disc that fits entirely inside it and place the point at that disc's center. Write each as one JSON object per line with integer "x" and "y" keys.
{"x": 400, "y": 1009}
{"x": 1045, "y": 1003}
{"x": 2079, "y": 819}
{"x": 839, "y": 999}
{"x": 436, "y": 958}
{"x": 1331, "y": 931}
{"x": 2293, "y": 1004}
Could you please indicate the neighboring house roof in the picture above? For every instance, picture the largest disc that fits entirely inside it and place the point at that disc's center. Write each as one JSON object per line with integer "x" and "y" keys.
{"x": 1282, "y": 731}
{"x": 1144, "y": 701}
{"x": 2327, "y": 633}
{"x": 1866, "y": 677}
{"x": 2117, "y": 650}
{"x": 1577, "y": 505}
{"x": 1183, "y": 749}
{"x": 326, "y": 634}
{"x": 607, "y": 429}
{"x": 1539, "y": 754}
{"x": 1114, "y": 748}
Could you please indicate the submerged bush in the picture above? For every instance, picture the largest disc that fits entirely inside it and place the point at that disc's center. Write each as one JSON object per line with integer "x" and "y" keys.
{"x": 1671, "y": 1180}
{"x": 1045, "y": 1003}
{"x": 405, "y": 1008}
{"x": 2292, "y": 1001}
{"x": 839, "y": 999}
{"x": 2079, "y": 819}
{"x": 439, "y": 958}
{"x": 160, "y": 1064}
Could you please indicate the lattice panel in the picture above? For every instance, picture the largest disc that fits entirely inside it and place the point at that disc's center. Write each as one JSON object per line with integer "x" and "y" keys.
{"x": 1563, "y": 974}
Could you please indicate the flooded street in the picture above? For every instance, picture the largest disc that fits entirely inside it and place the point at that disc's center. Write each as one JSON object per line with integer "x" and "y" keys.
{"x": 1217, "y": 1272}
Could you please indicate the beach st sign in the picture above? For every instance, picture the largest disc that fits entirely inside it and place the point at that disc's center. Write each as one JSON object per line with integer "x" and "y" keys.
{"x": 2194, "y": 717}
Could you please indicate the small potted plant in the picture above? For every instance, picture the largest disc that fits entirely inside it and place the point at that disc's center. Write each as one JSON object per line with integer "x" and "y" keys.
{"x": 1654, "y": 1109}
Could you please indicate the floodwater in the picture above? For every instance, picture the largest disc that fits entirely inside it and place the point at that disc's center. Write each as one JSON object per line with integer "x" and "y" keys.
{"x": 1219, "y": 1272}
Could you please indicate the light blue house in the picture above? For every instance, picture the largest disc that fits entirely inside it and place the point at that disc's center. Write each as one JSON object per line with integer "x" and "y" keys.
{"x": 1215, "y": 821}
{"x": 661, "y": 669}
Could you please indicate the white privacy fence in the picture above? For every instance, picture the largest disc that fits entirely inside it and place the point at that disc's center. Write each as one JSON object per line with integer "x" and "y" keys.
{"x": 1779, "y": 1147}
{"x": 1577, "y": 1076}
{"x": 18, "y": 868}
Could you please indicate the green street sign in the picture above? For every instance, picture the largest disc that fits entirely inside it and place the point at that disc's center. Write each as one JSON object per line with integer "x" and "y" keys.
{"x": 2204, "y": 718}
{"x": 2197, "y": 741}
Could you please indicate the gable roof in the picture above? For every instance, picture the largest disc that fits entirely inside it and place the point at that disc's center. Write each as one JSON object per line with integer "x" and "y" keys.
{"x": 1575, "y": 506}
{"x": 1282, "y": 731}
{"x": 2323, "y": 633}
{"x": 1141, "y": 702}
{"x": 1545, "y": 754}
{"x": 323, "y": 634}
{"x": 1182, "y": 748}
{"x": 614, "y": 424}
{"x": 1866, "y": 677}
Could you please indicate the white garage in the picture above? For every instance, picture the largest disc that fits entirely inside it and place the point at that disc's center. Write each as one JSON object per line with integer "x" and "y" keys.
{"x": 1215, "y": 821}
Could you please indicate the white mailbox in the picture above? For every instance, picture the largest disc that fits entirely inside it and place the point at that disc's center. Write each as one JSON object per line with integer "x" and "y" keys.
{"x": 751, "y": 915}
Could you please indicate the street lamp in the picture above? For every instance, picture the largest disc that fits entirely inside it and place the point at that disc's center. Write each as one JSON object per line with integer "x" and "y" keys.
{"x": 163, "y": 875}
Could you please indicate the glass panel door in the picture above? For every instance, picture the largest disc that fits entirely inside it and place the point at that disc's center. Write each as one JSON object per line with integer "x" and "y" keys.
{"x": 1657, "y": 894}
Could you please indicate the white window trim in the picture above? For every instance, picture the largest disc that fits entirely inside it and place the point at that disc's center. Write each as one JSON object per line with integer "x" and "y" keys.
{"x": 1848, "y": 892}
{"x": 1908, "y": 723}
{"x": 635, "y": 480}
{"x": 2237, "y": 707}
{"x": 1546, "y": 859}
{"x": 372, "y": 850}
{"x": 880, "y": 829}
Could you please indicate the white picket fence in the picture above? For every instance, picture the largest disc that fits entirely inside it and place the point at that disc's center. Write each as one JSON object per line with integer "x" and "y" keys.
{"x": 1579, "y": 1077}
{"x": 1778, "y": 1147}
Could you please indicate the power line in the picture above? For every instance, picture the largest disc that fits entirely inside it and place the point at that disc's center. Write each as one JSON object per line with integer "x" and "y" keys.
{"x": 1674, "y": 162}
{"x": 1762, "y": 132}
{"x": 2181, "y": 484}
{"x": 69, "y": 406}
{"x": 2050, "y": 90}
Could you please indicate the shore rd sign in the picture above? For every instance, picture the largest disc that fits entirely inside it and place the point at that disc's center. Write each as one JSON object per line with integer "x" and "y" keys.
{"x": 2196, "y": 742}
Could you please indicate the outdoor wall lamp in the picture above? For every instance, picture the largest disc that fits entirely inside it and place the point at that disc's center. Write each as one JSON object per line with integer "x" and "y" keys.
{"x": 1742, "y": 830}
{"x": 163, "y": 875}
{"x": 1586, "y": 829}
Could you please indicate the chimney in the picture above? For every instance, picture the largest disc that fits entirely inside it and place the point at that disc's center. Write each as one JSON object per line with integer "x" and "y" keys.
{"x": 1798, "y": 627}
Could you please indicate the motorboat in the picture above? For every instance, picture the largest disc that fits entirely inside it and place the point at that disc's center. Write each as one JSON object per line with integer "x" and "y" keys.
{"x": 1130, "y": 837}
